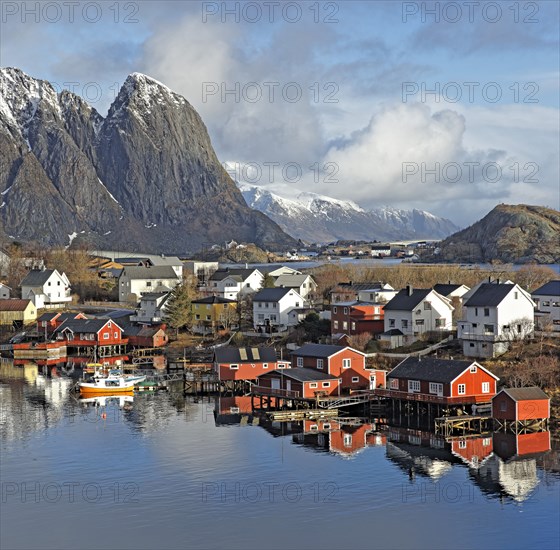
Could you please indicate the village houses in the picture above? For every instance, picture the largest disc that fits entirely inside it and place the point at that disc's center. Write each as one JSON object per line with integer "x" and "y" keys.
{"x": 5, "y": 291}
{"x": 304, "y": 285}
{"x": 271, "y": 307}
{"x": 135, "y": 281}
{"x": 414, "y": 312}
{"x": 494, "y": 316}
{"x": 17, "y": 313}
{"x": 46, "y": 288}
{"x": 233, "y": 283}
{"x": 152, "y": 308}
{"x": 213, "y": 313}
{"x": 547, "y": 307}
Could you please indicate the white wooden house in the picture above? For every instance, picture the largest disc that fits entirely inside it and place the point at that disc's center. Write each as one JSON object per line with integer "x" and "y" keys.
{"x": 46, "y": 288}
{"x": 493, "y": 317}
{"x": 271, "y": 307}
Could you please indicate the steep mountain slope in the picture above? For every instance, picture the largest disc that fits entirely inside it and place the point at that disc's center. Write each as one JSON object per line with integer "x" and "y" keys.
{"x": 144, "y": 177}
{"x": 315, "y": 218}
{"x": 509, "y": 233}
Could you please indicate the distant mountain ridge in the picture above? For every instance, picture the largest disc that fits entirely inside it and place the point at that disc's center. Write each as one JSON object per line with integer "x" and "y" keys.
{"x": 508, "y": 233}
{"x": 145, "y": 177}
{"x": 316, "y": 218}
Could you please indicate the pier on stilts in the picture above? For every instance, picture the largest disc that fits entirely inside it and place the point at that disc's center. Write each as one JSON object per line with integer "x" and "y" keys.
{"x": 449, "y": 426}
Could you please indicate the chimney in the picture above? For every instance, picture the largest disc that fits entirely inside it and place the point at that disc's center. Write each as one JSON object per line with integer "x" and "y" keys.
{"x": 409, "y": 290}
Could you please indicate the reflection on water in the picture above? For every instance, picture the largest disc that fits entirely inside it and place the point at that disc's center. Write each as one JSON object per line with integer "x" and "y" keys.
{"x": 161, "y": 449}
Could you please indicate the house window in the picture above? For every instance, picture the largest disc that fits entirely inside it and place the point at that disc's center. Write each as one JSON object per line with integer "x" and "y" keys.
{"x": 436, "y": 388}
{"x": 346, "y": 363}
{"x": 485, "y": 387}
{"x": 427, "y": 305}
{"x": 106, "y": 336}
{"x": 461, "y": 389}
{"x": 115, "y": 334}
{"x": 486, "y": 441}
{"x": 265, "y": 365}
{"x": 314, "y": 427}
{"x": 355, "y": 379}
{"x": 326, "y": 385}
{"x": 353, "y": 325}
{"x": 148, "y": 283}
{"x": 299, "y": 362}
{"x": 335, "y": 324}
{"x": 462, "y": 444}
{"x": 348, "y": 440}
{"x": 234, "y": 367}
{"x": 197, "y": 316}
{"x": 404, "y": 323}
{"x": 419, "y": 322}
{"x": 334, "y": 309}
{"x": 440, "y": 323}
{"x": 473, "y": 369}
{"x": 313, "y": 385}
{"x": 516, "y": 295}
{"x": 489, "y": 329}
{"x": 344, "y": 325}
{"x": 503, "y": 406}
{"x": 476, "y": 311}
{"x": 414, "y": 385}
{"x": 345, "y": 311}
{"x": 394, "y": 384}
{"x": 234, "y": 410}
{"x": 391, "y": 322}
{"x": 319, "y": 363}
{"x": 208, "y": 318}
{"x": 486, "y": 312}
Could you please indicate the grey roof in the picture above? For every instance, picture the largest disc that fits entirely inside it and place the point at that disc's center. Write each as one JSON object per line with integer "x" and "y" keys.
{"x": 230, "y": 354}
{"x": 405, "y": 302}
{"x": 140, "y": 330}
{"x": 37, "y": 277}
{"x": 489, "y": 295}
{"x": 156, "y": 272}
{"x": 135, "y": 260}
{"x": 69, "y": 315}
{"x": 302, "y": 374}
{"x": 293, "y": 281}
{"x": 214, "y": 300}
{"x": 317, "y": 350}
{"x": 49, "y": 316}
{"x": 356, "y": 287}
{"x": 271, "y": 294}
{"x": 525, "y": 394}
{"x": 153, "y": 295}
{"x": 552, "y": 288}
{"x": 446, "y": 289}
{"x": 236, "y": 273}
{"x": 430, "y": 369}
{"x": 84, "y": 325}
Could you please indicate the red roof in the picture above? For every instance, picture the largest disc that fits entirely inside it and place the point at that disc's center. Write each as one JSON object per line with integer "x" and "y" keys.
{"x": 14, "y": 305}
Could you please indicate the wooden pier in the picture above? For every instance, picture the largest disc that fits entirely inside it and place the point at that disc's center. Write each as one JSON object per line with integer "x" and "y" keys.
{"x": 449, "y": 426}
{"x": 309, "y": 414}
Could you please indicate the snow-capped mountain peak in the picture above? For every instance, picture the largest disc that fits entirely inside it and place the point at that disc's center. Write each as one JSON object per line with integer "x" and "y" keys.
{"x": 318, "y": 218}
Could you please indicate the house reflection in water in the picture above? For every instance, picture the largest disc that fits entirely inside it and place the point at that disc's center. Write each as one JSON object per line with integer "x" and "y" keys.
{"x": 512, "y": 470}
{"x": 344, "y": 437}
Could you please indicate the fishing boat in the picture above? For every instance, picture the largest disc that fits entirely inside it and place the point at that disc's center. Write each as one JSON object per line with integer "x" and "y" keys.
{"x": 114, "y": 382}
{"x": 101, "y": 400}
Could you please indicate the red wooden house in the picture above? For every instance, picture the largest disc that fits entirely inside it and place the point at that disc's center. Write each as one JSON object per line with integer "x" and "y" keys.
{"x": 300, "y": 382}
{"x": 146, "y": 336}
{"x": 233, "y": 363}
{"x": 521, "y": 404}
{"x": 342, "y": 362}
{"x": 90, "y": 333}
{"x": 473, "y": 450}
{"x": 441, "y": 381}
{"x": 50, "y": 321}
{"x": 352, "y": 318}
{"x": 510, "y": 446}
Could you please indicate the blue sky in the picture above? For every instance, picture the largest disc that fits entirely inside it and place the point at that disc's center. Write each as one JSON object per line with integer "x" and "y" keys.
{"x": 350, "y": 68}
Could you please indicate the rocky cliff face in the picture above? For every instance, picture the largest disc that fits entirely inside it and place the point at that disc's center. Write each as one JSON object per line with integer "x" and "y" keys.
{"x": 509, "y": 233}
{"x": 315, "y": 218}
{"x": 145, "y": 177}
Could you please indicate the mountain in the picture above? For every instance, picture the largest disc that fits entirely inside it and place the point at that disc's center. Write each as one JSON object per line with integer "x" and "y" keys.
{"x": 144, "y": 177}
{"x": 509, "y": 233}
{"x": 320, "y": 219}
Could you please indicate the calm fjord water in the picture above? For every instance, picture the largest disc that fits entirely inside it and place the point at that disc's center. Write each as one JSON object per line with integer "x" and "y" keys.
{"x": 165, "y": 472}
